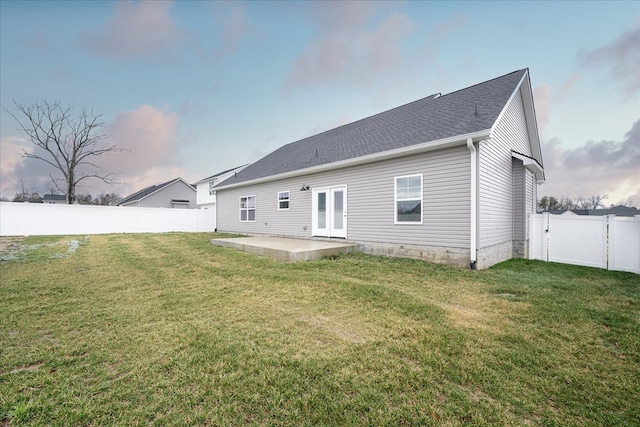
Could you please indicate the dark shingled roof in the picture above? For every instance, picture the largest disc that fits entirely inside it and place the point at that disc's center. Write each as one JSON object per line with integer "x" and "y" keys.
{"x": 220, "y": 173}
{"x": 428, "y": 119}
{"x": 58, "y": 197}
{"x": 146, "y": 191}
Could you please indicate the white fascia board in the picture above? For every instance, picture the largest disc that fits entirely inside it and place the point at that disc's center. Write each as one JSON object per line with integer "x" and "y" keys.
{"x": 529, "y": 163}
{"x": 370, "y": 158}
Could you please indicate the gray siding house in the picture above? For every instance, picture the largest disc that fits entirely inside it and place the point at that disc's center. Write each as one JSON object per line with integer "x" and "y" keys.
{"x": 177, "y": 194}
{"x": 448, "y": 178}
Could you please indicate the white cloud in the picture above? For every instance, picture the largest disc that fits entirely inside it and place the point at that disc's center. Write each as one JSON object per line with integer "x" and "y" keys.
{"x": 621, "y": 57}
{"x": 602, "y": 167}
{"x": 545, "y": 99}
{"x": 149, "y": 137}
{"x": 348, "y": 45}
{"x": 136, "y": 28}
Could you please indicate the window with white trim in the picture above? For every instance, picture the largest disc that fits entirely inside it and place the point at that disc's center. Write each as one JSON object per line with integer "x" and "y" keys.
{"x": 283, "y": 200}
{"x": 408, "y": 199}
{"x": 248, "y": 209}
{"x": 211, "y": 185}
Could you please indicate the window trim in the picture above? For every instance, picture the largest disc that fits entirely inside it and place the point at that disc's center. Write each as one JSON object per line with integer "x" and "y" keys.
{"x": 247, "y": 209}
{"x": 396, "y": 200}
{"x": 288, "y": 200}
{"x": 212, "y": 184}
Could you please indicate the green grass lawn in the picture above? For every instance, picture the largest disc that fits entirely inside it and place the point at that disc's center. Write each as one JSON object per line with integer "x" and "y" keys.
{"x": 165, "y": 329}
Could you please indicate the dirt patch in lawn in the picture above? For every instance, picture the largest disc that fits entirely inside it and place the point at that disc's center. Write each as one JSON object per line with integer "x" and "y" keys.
{"x": 6, "y": 242}
{"x": 14, "y": 248}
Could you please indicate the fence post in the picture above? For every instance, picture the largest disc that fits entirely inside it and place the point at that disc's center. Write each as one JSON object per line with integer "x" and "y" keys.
{"x": 546, "y": 220}
{"x": 610, "y": 241}
{"x": 637, "y": 235}
{"x": 530, "y": 252}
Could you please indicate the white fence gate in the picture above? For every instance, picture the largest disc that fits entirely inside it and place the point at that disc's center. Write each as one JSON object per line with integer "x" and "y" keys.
{"x": 595, "y": 241}
{"x": 21, "y": 219}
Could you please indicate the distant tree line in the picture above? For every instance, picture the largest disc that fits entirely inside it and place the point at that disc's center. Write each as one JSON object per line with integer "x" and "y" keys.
{"x": 550, "y": 203}
{"x": 104, "y": 199}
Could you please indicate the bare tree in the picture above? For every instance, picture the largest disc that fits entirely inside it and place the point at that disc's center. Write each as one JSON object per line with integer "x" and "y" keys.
{"x": 69, "y": 141}
{"x": 107, "y": 199}
{"x": 596, "y": 200}
{"x": 52, "y": 187}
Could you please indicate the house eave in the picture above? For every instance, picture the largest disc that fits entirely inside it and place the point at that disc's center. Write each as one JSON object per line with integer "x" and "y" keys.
{"x": 376, "y": 157}
{"x": 532, "y": 165}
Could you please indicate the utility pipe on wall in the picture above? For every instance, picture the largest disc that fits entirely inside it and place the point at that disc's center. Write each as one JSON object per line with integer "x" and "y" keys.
{"x": 473, "y": 244}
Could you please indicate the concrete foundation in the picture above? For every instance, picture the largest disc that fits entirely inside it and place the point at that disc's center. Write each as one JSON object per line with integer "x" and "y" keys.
{"x": 292, "y": 249}
{"x": 494, "y": 254}
{"x": 520, "y": 249}
{"x": 451, "y": 256}
{"x": 284, "y": 249}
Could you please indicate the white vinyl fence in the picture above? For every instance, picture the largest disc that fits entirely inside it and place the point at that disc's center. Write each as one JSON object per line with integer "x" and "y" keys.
{"x": 596, "y": 241}
{"x": 21, "y": 219}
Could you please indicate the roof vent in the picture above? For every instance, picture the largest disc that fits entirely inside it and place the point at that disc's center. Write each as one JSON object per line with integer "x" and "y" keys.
{"x": 435, "y": 95}
{"x": 476, "y": 113}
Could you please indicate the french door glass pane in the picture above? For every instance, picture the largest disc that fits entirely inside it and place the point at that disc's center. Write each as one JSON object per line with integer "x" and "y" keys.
{"x": 322, "y": 210}
{"x": 337, "y": 210}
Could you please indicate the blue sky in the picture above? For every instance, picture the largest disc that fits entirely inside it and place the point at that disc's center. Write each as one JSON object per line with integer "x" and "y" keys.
{"x": 192, "y": 88}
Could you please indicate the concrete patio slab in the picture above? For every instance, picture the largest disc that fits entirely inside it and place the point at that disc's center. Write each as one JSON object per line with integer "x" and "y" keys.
{"x": 284, "y": 249}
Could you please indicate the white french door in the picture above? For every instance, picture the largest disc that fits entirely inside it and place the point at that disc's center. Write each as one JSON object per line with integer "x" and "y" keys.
{"x": 330, "y": 212}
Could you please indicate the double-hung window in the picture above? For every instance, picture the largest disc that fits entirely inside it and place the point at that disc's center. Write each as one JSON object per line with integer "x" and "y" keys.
{"x": 211, "y": 185}
{"x": 408, "y": 199}
{"x": 283, "y": 200}
{"x": 248, "y": 209}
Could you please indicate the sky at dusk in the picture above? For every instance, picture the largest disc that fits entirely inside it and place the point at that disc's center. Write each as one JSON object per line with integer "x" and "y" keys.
{"x": 191, "y": 88}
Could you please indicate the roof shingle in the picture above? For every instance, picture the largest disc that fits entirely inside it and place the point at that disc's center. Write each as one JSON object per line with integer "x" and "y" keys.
{"x": 433, "y": 118}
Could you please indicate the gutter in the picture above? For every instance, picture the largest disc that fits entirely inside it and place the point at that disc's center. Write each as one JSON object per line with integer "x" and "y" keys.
{"x": 473, "y": 241}
{"x": 369, "y": 158}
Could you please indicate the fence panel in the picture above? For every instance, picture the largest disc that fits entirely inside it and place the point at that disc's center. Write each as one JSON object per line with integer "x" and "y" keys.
{"x": 594, "y": 241}
{"x": 19, "y": 219}
{"x": 578, "y": 240}
{"x": 538, "y": 236}
{"x": 624, "y": 244}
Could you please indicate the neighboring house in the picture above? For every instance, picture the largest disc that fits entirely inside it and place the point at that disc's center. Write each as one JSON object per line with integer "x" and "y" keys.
{"x": 449, "y": 178}
{"x": 176, "y": 193}
{"x": 55, "y": 199}
{"x": 206, "y": 195}
{"x": 615, "y": 210}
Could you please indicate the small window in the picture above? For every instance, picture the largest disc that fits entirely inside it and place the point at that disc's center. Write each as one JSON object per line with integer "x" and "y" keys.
{"x": 408, "y": 199}
{"x": 248, "y": 209}
{"x": 283, "y": 200}
{"x": 211, "y": 185}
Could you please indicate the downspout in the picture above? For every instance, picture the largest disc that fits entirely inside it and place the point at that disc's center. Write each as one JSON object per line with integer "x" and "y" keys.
{"x": 473, "y": 244}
